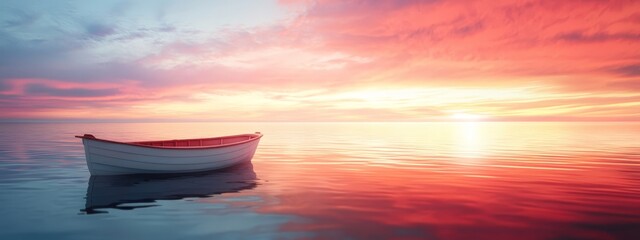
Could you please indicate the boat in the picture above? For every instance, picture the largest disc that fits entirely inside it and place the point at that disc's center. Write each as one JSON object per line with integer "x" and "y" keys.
{"x": 128, "y": 192}
{"x": 108, "y": 157}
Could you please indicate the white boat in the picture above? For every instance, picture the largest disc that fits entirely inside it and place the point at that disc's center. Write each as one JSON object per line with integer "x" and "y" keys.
{"x": 107, "y": 157}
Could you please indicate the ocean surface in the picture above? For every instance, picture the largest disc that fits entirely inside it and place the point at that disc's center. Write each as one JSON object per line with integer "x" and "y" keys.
{"x": 334, "y": 181}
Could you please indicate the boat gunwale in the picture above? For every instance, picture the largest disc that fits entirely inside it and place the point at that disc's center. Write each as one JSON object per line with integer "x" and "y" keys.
{"x": 136, "y": 144}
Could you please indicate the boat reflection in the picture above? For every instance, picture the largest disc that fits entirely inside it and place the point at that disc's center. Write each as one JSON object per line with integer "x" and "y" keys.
{"x": 128, "y": 192}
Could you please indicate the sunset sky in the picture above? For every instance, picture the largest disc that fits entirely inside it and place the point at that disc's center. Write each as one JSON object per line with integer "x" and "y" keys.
{"x": 291, "y": 60}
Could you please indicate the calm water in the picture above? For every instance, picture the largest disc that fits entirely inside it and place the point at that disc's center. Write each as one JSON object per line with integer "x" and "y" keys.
{"x": 335, "y": 181}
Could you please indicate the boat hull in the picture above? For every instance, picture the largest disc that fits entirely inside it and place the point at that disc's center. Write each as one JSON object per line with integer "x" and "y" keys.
{"x": 111, "y": 158}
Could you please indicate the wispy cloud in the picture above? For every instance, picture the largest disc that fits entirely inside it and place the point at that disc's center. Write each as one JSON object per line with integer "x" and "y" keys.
{"x": 43, "y": 90}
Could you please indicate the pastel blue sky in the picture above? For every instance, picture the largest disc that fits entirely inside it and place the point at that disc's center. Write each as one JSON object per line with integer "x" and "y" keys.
{"x": 52, "y": 39}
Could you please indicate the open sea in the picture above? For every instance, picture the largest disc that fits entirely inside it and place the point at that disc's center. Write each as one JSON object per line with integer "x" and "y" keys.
{"x": 334, "y": 181}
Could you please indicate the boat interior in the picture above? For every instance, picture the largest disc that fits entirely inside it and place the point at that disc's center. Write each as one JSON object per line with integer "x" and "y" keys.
{"x": 202, "y": 142}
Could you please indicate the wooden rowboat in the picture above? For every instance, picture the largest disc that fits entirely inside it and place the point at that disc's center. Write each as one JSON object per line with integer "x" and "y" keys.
{"x": 107, "y": 157}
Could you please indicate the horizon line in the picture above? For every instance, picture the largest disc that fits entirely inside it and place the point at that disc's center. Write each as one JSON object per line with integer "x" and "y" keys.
{"x": 286, "y": 121}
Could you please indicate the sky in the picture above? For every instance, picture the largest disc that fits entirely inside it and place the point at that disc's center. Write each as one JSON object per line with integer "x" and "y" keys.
{"x": 324, "y": 60}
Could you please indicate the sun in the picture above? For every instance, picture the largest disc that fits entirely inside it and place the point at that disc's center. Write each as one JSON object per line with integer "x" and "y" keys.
{"x": 467, "y": 117}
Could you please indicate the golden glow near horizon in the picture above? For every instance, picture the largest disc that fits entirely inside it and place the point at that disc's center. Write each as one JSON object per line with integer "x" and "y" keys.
{"x": 467, "y": 116}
